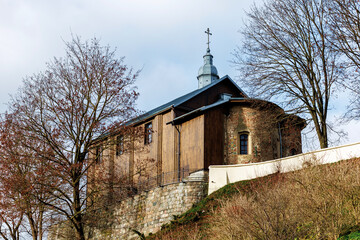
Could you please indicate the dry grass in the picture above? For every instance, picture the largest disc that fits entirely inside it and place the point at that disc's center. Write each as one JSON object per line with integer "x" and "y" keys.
{"x": 319, "y": 202}
{"x": 316, "y": 203}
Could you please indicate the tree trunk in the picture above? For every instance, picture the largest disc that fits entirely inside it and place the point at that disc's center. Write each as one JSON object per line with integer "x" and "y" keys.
{"x": 40, "y": 231}
{"x": 34, "y": 232}
{"x": 79, "y": 225}
{"x": 321, "y": 131}
{"x": 80, "y": 235}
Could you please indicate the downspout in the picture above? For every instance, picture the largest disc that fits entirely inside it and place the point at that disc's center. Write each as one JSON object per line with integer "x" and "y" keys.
{"x": 281, "y": 150}
{"x": 178, "y": 152}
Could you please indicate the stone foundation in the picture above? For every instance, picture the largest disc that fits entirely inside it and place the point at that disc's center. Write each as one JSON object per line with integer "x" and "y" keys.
{"x": 147, "y": 211}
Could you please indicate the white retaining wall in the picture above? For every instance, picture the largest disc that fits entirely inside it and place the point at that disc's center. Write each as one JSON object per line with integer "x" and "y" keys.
{"x": 221, "y": 175}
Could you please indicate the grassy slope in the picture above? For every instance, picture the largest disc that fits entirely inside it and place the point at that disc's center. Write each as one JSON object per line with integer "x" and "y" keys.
{"x": 201, "y": 212}
{"x": 194, "y": 223}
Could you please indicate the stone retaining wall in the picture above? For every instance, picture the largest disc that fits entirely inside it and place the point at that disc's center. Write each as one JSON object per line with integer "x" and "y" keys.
{"x": 147, "y": 211}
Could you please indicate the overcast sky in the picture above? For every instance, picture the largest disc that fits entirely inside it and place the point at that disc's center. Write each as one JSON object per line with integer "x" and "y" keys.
{"x": 164, "y": 38}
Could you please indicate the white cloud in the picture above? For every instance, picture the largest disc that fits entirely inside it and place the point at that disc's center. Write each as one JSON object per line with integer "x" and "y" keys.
{"x": 166, "y": 37}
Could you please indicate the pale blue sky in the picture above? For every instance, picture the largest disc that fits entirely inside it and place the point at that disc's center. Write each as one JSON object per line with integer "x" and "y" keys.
{"x": 163, "y": 37}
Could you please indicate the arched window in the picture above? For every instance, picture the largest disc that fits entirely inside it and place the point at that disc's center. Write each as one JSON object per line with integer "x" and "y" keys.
{"x": 243, "y": 137}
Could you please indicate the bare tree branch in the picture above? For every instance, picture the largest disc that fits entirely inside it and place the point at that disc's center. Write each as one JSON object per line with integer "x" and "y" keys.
{"x": 286, "y": 55}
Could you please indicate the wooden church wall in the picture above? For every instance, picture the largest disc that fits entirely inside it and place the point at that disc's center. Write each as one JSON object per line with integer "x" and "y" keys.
{"x": 168, "y": 144}
{"x": 192, "y": 143}
{"x": 214, "y": 138}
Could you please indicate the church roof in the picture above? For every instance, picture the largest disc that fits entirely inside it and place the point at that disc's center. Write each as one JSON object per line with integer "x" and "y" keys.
{"x": 236, "y": 100}
{"x": 201, "y": 109}
{"x": 178, "y": 101}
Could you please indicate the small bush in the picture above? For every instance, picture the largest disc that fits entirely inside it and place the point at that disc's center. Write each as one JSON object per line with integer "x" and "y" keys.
{"x": 353, "y": 236}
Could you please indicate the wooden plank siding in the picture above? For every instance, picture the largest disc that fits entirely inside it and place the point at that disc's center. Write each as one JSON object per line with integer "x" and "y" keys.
{"x": 192, "y": 143}
{"x": 159, "y": 145}
{"x": 168, "y": 143}
{"x": 214, "y": 138}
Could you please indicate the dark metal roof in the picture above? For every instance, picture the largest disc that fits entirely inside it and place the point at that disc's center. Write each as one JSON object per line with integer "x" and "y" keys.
{"x": 178, "y": 101}
{"x": 201, "y": 109}
{"x": 198, "y": 111}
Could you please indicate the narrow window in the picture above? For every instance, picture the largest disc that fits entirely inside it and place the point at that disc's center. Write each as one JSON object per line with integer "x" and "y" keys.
{"x": 119, "y": 145}
{"x": 148, "y": 133}
{"x": 243, "y": 144}
{"x": 98, "y": 154}
{"x": 292, "y": 152}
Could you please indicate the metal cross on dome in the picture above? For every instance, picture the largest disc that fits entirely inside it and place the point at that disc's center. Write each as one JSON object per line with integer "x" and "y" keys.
{"x": 208, "y": 33}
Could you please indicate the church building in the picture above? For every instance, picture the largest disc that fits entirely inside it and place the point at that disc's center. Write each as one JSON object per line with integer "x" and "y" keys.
{"x": 216, "y": 124}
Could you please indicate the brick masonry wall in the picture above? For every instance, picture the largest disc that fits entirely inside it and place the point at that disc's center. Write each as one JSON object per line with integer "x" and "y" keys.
{"x": 147, "y": 211}
{"x": 262, "y": 127}
{"x": 263, "y": 138}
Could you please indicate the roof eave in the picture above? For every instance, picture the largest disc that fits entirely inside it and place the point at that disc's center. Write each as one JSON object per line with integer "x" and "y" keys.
{"x": 141, "y": 121}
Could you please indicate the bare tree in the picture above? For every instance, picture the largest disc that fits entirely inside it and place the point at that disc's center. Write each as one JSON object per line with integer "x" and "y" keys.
{"x": 11, "y": 217}
{"x": 286, "y": 56}
{"x": 345, "y": 23}
{"x": 22, "y": 175}
{"x": 80, "y": 97}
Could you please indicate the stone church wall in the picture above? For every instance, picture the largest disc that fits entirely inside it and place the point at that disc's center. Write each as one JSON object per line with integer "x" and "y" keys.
{"x": 263, "y": 138}
{"x": 267, "y": 139}
{"x": 147, "y": 211}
